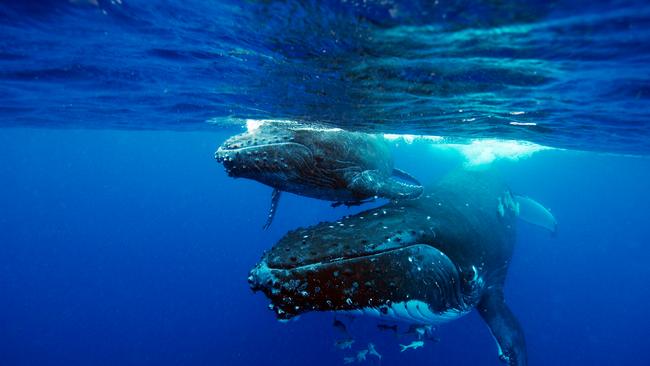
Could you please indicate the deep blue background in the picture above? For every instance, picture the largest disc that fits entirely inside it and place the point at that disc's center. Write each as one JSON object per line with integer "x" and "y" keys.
{"x": 133, "y": 248}
{"x": 125, "y": 247}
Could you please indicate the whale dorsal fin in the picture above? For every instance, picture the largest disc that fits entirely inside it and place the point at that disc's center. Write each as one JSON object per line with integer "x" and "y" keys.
{"x": 504, "y": 326}
{"x": 372, "y": 183}
{"x": 275, "y": 198}
{"x": 535, "y": 213}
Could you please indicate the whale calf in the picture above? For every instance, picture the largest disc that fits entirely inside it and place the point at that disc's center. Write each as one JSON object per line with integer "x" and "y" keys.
{"x": 421, "y": 261}
{"x": 310, "y": 160}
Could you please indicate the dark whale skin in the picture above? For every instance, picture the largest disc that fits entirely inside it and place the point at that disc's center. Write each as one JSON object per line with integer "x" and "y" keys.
{"x": 449, "y": 249}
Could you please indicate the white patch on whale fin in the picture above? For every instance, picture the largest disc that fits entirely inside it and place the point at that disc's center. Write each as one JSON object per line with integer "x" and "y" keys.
{"x": 535, "y": 213}
{"x": 373, "y": 183}
{"x": 275, "y": 198}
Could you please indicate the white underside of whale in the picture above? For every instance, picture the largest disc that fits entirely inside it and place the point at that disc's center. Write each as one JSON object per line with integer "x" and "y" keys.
{"x": 412, "y": 311}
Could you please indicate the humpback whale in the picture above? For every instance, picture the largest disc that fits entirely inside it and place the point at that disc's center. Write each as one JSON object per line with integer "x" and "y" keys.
{"x": 325, "y": 163}
{"x": 421, "y": 261}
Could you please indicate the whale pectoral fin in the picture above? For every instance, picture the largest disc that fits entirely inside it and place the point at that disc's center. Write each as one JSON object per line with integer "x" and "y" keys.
{"x": 275, "y": 198}
{"x": 405, "y": 176}
{"x": 534, "y": 213}
{"x": 396, "y": 189}
{"x": 504, "y": 327}
{"x": 371, "y": 183}
{"x": 349, "y": 204}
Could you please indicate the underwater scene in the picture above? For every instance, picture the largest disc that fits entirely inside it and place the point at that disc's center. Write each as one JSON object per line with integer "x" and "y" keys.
{"x": 335, "y": 182}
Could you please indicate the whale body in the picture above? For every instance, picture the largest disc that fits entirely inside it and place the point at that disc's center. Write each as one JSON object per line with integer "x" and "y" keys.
{"x": 313, "y": 161}
{"x": 423, "y": 261}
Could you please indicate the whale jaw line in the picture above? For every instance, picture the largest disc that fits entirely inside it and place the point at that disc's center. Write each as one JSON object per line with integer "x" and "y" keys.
{"x": 415, "y": 283}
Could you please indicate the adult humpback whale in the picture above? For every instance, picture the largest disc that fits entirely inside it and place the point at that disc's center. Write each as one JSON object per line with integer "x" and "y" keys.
{"x": 421, "y": 261}
{"x": 313, "y": 161}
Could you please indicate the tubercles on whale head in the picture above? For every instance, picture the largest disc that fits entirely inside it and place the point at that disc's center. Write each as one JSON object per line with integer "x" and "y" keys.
{"x": 267, "y": 153}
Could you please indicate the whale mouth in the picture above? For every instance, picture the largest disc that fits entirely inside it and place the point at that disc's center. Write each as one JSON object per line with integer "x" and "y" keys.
{"x": 263, "y": 139}
{"x": 230, "y": 153}
{"x": 340, "y": 260}
{"x": 373, "y": 281}
{"x": 255, "y": 158}
{"x": 225, "y": 151}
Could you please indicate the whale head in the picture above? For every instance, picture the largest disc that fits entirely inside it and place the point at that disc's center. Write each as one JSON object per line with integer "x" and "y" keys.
{"x": 305, "y": 159}
{"x": 269, "y": 154}
{"x": 381, "y": 262}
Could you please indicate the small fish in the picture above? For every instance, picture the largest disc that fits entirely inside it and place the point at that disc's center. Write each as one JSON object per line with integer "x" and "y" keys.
{"x": 373, "y": 351}
{"x": 361, "y": 355}
{"x": 344, "y": 343}
{"x": 386, "y": 328}
{"x": 422, "y": 331}
{"x": 340, "y": 326}
{"x": 347, "y": 360}
{"x": 413, "y": 345}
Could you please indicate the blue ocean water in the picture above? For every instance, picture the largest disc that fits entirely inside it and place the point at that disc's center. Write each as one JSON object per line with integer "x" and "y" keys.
{"x": 133, "y": 248}
{"x": 570, "y": 74}
{"x": 122, "y": 241}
